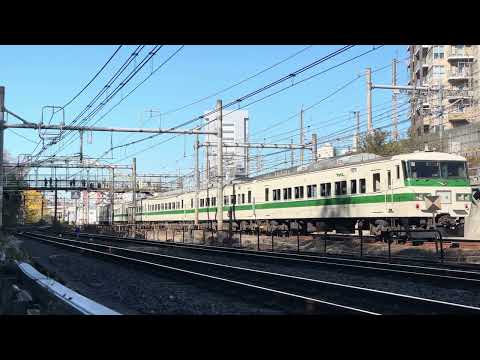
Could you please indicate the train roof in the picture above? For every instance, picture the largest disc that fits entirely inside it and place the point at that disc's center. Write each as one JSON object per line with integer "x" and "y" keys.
{"x": 335, "y": 162}
{"x": 428, "y": 155}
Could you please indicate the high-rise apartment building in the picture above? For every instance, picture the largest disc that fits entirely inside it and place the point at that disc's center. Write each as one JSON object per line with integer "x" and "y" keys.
{"x": 451, "y": 73}
{"x": 235, "y": 130}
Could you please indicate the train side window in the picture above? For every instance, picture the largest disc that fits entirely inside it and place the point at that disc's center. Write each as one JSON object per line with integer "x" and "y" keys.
{"x": 173, "y": 207}
{"x": 389, "y": 178}
{"x": 182, "y": 203}
{"x": 225, "y": 200}
{"x": 207, "y": 202}
{"x": 298, "y": 192}
{"x": 214, "y": 201}
{"x": 232, "y": 199}
{"x": 311, "y": 191}
{"x": 191, "y": 204}
{"x": 398, "y": 171}
{"x": 249, "y": 196}
{"x": 266, "y": 194}
{"x": 323, "y": 188}
{"x": 376, "y": 182}
{"x": 285, "y": 194}
{"x": 340, "y": 187}
{"x": 201, "y": 202}
{"x": 353, "y": 186}
{"x": 329, "y": 189}
{"x": 363, "y": 186}
{"x": 289, "y": 192}
{"x": 337, "y": 188}
{"x": 243, "y": 198}
{"x": 275, "y": 197}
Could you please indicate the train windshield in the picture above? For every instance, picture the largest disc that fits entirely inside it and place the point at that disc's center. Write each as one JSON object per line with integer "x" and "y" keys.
{"x": 437, "y": 169}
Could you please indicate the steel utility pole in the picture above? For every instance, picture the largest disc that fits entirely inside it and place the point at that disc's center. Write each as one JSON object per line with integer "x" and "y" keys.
{"x": 245, "y": 140}
{"x": 219, "y": 166}
{"x": 113, "y": 196}
{"x": 56, "y": 204}
{"x": 394, "y": 101}
{"x": 2, "y": 129}
{"x": 301, "y": 135}
{"x": 314, "y": 147}
{"x": 81, "y": 146}
{"x": 41, "y": 212}
{"x": 134, "y": 193}
{"x": 292, "y": 154}
{"x": 207, "y": 165}
{"x": 357, "y": 131}
{"x": 369, "y": 100}
{"x": 197, "y": 178}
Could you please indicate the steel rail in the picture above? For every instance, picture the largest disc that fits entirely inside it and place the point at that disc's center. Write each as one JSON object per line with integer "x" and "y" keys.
{"x": 189, "y": 272}
{"x": 437, "y": 272}
{"x": 387, "y": 301}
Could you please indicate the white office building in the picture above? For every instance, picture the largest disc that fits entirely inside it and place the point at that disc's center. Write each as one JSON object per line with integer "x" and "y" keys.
{"x": 235, "y": 130}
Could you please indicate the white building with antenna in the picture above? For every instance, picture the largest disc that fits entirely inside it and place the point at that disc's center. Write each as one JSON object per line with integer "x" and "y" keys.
{"x": 235, "y": 130}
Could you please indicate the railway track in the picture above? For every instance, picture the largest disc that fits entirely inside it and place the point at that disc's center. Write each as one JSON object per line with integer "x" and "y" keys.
{"x": 291, "y": 292}
{"x": 447, "y": 273}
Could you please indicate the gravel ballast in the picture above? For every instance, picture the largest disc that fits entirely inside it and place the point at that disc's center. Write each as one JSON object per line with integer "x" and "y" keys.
{"x": 130, "y": 290}
{"x": 420, "y": 286}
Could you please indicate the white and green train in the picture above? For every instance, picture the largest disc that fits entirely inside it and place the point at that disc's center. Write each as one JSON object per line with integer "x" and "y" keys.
{"x": 332, "y": 194}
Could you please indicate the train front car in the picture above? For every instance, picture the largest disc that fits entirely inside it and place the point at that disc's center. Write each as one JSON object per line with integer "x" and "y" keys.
{"x": 437, "y": 174}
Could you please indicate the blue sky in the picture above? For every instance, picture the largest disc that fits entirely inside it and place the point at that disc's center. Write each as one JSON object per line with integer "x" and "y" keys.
{"x": 35, "y": 76}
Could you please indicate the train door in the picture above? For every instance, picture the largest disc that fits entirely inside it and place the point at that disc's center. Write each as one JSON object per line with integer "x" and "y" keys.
{"x": 389, "y": 192}
{"x": 130, "y": 214}
{"x": 378, "y": 188}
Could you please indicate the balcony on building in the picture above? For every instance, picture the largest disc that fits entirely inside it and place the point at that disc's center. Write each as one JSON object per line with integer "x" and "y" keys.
{"x": 459, "y": 115}
{"x": 462, "y": 74}
{"x": 460, "y": 53}
{"x": 465, "y": 94}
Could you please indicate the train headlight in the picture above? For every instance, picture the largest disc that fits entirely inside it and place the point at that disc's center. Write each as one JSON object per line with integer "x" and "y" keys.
{"x": 420, "y": 197}
{"x": 463, "y": 197}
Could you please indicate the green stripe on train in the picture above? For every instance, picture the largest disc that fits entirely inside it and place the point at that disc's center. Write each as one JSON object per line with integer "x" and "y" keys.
{"x": 437, "y": 182}
{"x": 348, "y": 200}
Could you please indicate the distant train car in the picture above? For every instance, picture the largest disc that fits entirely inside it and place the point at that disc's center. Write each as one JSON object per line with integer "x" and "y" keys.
{"x": 335, "y": 194}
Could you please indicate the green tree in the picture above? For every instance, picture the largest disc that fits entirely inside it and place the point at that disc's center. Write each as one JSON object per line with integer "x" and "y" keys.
{"x": 378, "y": 143}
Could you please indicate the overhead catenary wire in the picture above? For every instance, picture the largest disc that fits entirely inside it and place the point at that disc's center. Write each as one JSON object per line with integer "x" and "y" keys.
{"x": 94, "y": 77}
{"x": 263, "y": 89}
{"x": 238, "y": 100}
{"x": 126, "y": 80}
{"x": 237, "y": 83}
{"x": 122, "y": 68}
